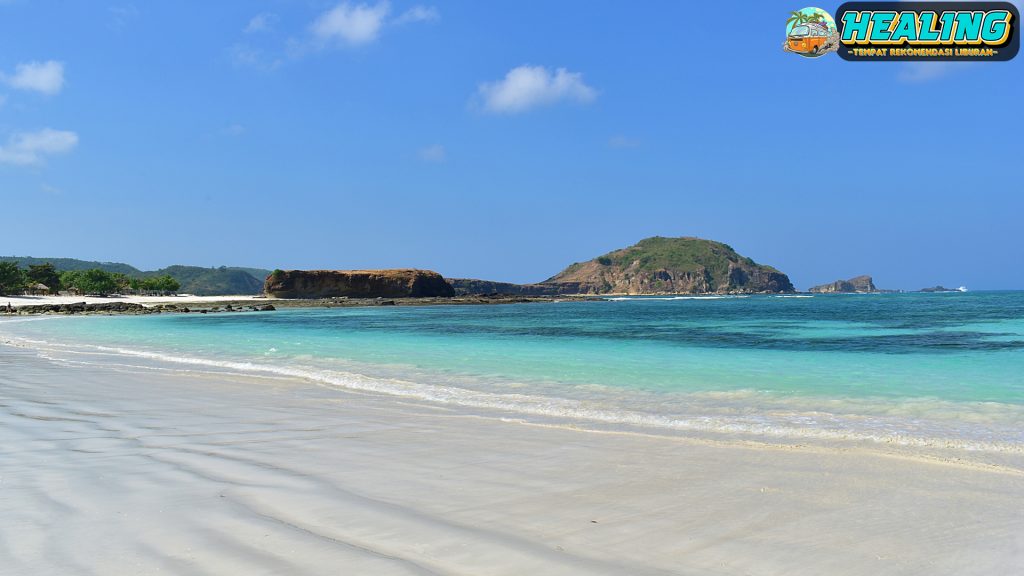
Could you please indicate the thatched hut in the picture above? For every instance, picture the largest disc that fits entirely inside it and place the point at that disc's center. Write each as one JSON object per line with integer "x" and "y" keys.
{"x": 38, "y": 289}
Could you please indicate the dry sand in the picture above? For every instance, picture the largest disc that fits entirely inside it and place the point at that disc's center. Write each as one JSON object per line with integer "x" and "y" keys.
{"x": 129, "y": 470}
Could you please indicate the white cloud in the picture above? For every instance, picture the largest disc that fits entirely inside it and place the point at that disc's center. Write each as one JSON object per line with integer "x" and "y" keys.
{"x": 121, "y": 16}
{"x": 31, "y": 147}
{"x": 434, "y": 153}
{"x": 352, "y": 24}
{"x": 623, "y": 142}
{"x": 246, "y": 56}
{"x": 419, "y": 14}
{"x": 924, "y": 71}
{"x": 527, "y": 87}
{"x": 46, "y": 77}
{"x": 263, "y": 22}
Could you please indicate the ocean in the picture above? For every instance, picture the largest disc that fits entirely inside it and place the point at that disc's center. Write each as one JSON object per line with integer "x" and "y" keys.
{"x": 943, "y": 370}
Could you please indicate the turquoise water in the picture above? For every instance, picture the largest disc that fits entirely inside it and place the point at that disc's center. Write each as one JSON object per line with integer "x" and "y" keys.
{"x": 912, "y": 368}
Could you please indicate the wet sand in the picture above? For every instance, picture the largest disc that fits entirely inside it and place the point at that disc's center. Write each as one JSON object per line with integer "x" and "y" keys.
{"x": 129, "y": 470}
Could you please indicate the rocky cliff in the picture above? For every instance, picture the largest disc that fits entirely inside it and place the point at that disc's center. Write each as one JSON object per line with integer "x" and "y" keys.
{"x": 857, "y": 284}
{"x": 672, "y": 266}
{"x": 399, "y": 283}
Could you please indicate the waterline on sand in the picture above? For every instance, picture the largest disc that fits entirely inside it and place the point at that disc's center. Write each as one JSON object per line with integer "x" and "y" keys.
{"x": 747, "y": 414}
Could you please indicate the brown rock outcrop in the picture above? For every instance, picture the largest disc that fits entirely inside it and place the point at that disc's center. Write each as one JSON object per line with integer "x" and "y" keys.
{"x": 397, "y": 283}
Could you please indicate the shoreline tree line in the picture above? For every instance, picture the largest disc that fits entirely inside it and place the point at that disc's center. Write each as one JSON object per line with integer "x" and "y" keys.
{"x": 16, "y": 280}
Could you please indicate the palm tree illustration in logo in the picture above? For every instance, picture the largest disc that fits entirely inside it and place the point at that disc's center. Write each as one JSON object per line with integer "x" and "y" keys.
{"x": 811, "y": 32}
{"x": 796, "y": 19}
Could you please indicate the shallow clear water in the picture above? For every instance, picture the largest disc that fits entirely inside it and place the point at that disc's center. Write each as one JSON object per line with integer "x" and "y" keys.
{"x": 909, "y": 368}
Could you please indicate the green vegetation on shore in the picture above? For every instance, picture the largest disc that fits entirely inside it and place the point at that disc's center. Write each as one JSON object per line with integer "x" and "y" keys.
{"x": 12, "y": 278}
{"x": 192, "y": 279}
{"x": 46, "y": 279}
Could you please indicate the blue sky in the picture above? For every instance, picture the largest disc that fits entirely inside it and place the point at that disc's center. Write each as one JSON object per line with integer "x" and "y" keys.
{"x": 499, "y": 140}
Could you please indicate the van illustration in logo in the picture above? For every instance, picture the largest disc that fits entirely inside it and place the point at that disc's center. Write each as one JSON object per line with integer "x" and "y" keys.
{"x": 811, "y": 32}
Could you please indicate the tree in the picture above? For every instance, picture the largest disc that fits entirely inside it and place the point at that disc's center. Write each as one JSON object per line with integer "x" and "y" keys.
{"x": 169, "y": 284}
{"x": 44, "y": 274}
{"x": 93, "y": 281}
{"x": 69, "y": 279}
{"x": 12, "y": 278}
{"x": 165, "y": 283}
{"x": 122, "y": 281}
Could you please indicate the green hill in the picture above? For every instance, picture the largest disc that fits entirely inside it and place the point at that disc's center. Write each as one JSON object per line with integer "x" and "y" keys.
{"x": 214, "y": 281}
{"x": 673, "y": 265}
{"x": 63, "y": 264}
{"x": 194, "y": 279}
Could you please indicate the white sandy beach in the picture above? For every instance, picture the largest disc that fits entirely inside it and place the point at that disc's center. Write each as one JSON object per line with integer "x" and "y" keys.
{"x": 185, "y": 299}
{"x": 162, "y": 471}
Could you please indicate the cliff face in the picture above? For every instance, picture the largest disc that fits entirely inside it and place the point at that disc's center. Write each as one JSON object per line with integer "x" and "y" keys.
{"x": 672, "y": 265}
{"x": 857, "y": 284}
{"x": 400, "y": 283}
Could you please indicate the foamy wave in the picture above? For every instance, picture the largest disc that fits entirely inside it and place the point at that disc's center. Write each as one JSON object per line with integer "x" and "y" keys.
{"x": 654, "y": 298}
{"x": 804, "y": 424}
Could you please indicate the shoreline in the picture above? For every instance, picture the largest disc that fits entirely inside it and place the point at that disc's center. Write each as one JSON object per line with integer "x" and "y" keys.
{"x": 711, "y": 426}
{"x": 204, "y": 304}
{"x": 250, "y": 303}
{"x": 985, "y": 432}
{"x": 150, "y": 469}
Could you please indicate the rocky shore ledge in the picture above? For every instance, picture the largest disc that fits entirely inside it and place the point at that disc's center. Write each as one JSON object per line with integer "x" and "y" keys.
{"x": 130, "y": 308}
{"x": 133, "y": 308}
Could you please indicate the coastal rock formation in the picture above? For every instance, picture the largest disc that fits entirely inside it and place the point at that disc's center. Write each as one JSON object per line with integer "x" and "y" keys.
{"x": 398, "y": 283}
{"x": 661, "y": 265}
{"x": 857, "y": 284}
{"x": 121, "y": 308}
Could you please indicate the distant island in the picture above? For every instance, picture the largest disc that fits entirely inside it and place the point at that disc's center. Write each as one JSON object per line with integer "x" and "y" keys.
{"x": 857, "y": 284}
{"x": 943, "y": 289}
{"x": 656, "y": 265}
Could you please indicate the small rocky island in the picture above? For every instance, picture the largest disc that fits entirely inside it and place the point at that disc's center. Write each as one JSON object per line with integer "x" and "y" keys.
{"x": 656, "y": 265}
{"x": 858, "y": 284}
{"x": 942, "y": 289}
{"x": 397, "y": 283}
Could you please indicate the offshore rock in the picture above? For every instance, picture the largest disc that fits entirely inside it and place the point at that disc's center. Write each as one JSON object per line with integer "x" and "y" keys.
{"x": 856, "y": 284}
